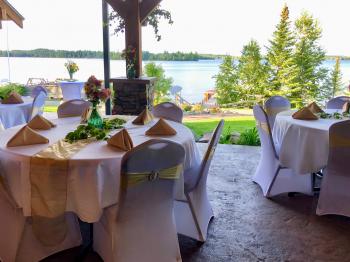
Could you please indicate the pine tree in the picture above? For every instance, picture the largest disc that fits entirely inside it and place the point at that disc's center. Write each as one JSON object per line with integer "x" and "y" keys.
{"x": 308, "y": 58}
{"x": 227, "y": 89}
{"x": 280, "y": 56}
{"x": 336, "y": 77}
{"x": 252, "y": 72}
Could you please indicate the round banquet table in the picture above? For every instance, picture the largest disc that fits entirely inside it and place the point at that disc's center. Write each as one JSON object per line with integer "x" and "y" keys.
{"x": 16, "y": 114}
{"x": 94, "y": 172}
{"x": 302, "y": 145}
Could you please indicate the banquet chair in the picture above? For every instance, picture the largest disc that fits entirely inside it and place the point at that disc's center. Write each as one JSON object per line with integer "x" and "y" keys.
{"x": 38, "y": 105}
{"x": 36, "y": 90}
{"x": 275, "y": 105}
{"x": 18, "y": 242}
{"x": 337, "y": 102}
{"x": 270, "y": 175}
{"x": 335, "y": 195}
{"x": 193, "y": 212}
{"x": 72, "y": 108}
{"x": 141, "y": 226}
{"x": 168, "y": 111}
{"x": 2, "y": 128}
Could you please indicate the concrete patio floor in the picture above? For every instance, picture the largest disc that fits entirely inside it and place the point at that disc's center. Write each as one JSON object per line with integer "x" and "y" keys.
{"x": 249, "y": 227}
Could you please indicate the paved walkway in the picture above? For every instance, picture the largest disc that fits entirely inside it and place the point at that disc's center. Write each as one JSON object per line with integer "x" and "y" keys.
{"x": 249, "y": 227}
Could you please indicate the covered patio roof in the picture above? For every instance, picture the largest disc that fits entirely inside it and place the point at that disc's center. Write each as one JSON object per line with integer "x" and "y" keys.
{"x": 9, "y": 13}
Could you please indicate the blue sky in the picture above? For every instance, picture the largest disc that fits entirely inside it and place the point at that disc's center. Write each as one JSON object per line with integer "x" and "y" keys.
{"x": 205, "y": 26}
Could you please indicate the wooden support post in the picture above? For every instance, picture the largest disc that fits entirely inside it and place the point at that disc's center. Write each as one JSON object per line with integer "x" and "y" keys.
{"x": 106, "y": 56}
{"x": 133, "y": 33}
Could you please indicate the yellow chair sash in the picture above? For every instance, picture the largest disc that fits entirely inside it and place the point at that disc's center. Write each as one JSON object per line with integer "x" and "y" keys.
{"x": 48, "y": 177}
{"x": 338, "y": 141}
{"x": 264, "y": 126}
{"x": 133, "y": 179}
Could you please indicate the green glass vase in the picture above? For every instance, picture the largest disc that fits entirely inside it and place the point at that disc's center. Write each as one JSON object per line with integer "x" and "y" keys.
{"x": 95, "y": 119}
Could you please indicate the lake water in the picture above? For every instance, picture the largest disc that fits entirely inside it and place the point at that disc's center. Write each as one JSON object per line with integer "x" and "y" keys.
{"x": 195, "y": 77}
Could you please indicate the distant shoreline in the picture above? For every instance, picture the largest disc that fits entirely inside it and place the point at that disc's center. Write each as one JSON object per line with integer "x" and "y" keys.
{"x": 146, "y": 56}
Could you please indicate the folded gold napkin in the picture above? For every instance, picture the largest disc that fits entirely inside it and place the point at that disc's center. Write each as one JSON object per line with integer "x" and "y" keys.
{"x": 145, "y": 117}
{"x": 26, "y": 136}
{"x": 85, "y": 116}
{"x": 314, "y": 108}
{"x": 346, "y": 107}
{"x": 41, "y": 123}
{"x": 161, "y": 128}
{"x": 13, "y": 98}
{"x": 305, "y": 114}
{"x": 121, "y": 140}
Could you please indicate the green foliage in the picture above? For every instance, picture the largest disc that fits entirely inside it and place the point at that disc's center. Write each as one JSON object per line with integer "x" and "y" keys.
{"x": 252, "y": 72}
{"x": 336, "y": 77}
{"x": 7, "y": 89}
{"x": 146, "y": 56}
{"x": 280, "y": 57}
{"x": 308, "y": 58}
{"x": 227, "y": 88}
{"x": 249, "y": 137}
{"x": 88, "y": 131}
{"x": 152, "y": 19}
{"x": 163, "y": 83}
{"x": 225, "y": 137}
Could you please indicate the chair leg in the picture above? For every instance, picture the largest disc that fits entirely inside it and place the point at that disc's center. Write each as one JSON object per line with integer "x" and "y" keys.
{"x": 200, "y": 233}
{"x": 272, "y": 182}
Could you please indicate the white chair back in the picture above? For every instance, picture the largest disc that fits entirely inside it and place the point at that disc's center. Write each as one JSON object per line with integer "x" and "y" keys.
{"x": 36, "y": 90}
{"x": 264, "y": 129}
{"x": 2, "y": 128}
{"x": 145, "y": 225}
{"x": 168, "y": 111}
{"x": 208, "y": 156}
{"x": 275, "y": 105}
{"x": 72, "y": 108}
{"x": 38, "y": 105}
{"x": 337, "y": 102}
{"x": 335, "y": 194}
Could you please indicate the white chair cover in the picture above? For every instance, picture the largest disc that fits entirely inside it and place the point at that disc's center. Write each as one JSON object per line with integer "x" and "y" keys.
{"x": 275, "y": 105}
{"x": 337, "y": 102}
{"x": 142, "y": 227}
{"x": 194, "y": 212}
{"x": 168, "y": 111}
{"x": 72, "y": 108}
{"x": 36, "y": 90}
{"x": 38, "y": 105}
{"x": 335, "y": 188}
{"x": 18, "y": 242}
{"x": 270, "y": 175}
{"x": 2, "y": 128}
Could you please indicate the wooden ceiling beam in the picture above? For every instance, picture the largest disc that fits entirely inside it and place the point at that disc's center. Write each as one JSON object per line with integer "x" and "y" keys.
{"x": 146, "y": 7}
{"x": 120, "y": 6}
{"x": 8, "y": 12}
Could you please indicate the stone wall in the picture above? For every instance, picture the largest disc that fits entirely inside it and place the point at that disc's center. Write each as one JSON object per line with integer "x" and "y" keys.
{"x": 132, "y": 96}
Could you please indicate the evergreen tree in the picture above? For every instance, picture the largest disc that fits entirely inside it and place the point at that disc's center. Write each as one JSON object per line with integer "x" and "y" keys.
{"x": 280, "y": 56}
{"x": 227, "y": 89}
{"x": 308, "y": 58}
{"x": 336, "y": 77}
{"x": 252, "y": 72}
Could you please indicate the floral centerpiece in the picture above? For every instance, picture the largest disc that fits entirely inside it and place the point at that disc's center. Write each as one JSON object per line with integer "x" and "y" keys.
{"x": 95, "y": 93}
{"x": 129, "y": 54}
{"x": 72, "y": 68}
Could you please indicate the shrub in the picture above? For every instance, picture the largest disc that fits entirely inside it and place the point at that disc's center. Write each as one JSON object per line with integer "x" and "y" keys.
{"x": 225, "y": 138}
{"x": 214, "y": 110}
{"x": 186, "y": 108}
{"x": 8, "y": 88}
{"x": 249, "y": 137}
{"x": 198, "y": 108}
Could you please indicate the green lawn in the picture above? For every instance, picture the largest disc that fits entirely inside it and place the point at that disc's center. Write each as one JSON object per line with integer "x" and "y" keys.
{"x": 238, "y": 123}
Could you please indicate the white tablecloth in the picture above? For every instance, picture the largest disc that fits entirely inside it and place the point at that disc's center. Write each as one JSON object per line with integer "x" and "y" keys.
{"x": 16, "y": 114}
{"x": 94, "y": 172}
{"x": 302, "y": 144}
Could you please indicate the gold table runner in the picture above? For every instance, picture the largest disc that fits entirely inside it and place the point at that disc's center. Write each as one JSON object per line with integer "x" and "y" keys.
{"x": 48, "y": 177}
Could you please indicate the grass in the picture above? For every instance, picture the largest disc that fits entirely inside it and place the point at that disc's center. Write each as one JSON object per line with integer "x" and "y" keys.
{"x": 236, "y": 123}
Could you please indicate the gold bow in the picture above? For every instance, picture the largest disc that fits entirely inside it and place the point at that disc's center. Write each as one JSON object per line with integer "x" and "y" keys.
{"x": 264, "y": 126}
{"x": 133, "y": 179}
